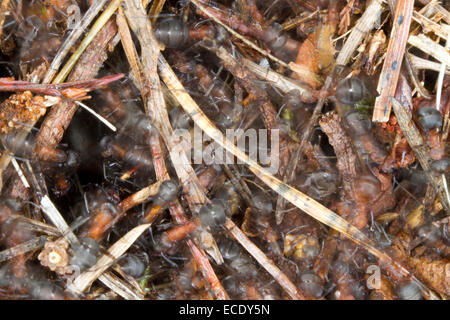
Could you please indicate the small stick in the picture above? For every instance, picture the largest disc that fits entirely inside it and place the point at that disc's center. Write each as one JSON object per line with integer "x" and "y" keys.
{"x": 440, "y": 81}
{"x": 140, "y": 196}
{"x": 188, "y": 178}
{"x": 393, "y": 61}
{"x": 120, "y": 287}
{"x": 130, "y": 51}
{"x": 135, "y": 199}
{"x": 420, "y": 149}
{"x": 430, "y": 47}
{"x": 300, "y": 200}
{"x": 281, "y": 82}
{"x": 292, "y": 23}
{"x": 22, "y": 248}
{"x": 265, "y": 262}
{"x": 155, "y": 10}
{"x": 98, "y": 25}
{"x": 237, "y": 35}
{"x": 84, "y": 280}
{"x": 359, "y": 31}
{"x": 59, "y": 118}
{"x": 75, "y": 33}
{"x": 99, "y": 117}
{"x": 420, "y": 64}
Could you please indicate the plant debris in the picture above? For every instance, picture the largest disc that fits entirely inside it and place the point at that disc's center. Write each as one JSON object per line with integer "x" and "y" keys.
{"x": 224, "y": 150}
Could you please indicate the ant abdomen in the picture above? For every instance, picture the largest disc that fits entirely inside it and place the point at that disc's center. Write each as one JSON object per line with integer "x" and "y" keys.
{"x": 85, "y": 254}
{"x": 133, "y": 265}
{"x": 350, "y": 91}
{"x": 172, "y": 32}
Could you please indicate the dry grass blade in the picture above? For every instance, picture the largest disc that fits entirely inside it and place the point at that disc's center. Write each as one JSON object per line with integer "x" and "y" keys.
{"x": 435, "y": 8}
{"x": 84, "y": 280}
{"x": 76, "y": 32}
{"x": 420, "y": 63}
{"x": 237, "y": 35}
{"x": 440, "y": 81}
{"x": 429, "y": 24}
{"x": 428, "y": 46}
{"x": 120, "y": 287}
{"x": 22, "y": 248}
{"x": 420, "y": 148}
{"x": 191, "y": 185}
{"x": 281, "y": 82}
{"x": 130, "y": 51}
{"x": 99, "y": 23}
{"x": 390, "y": 73}
{"x": 156, "y": 106}
{"x": 300, "y": 200}
{"x": 360, "y": 30}
{"x": 155, "y": 9}
{"x": 266, "y": 263}
{"x": 38, "y": 226}
{"x": 57, "y": 219}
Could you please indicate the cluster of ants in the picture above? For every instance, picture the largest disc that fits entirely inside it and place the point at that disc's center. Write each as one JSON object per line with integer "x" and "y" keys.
{"x": 92, "y": 170}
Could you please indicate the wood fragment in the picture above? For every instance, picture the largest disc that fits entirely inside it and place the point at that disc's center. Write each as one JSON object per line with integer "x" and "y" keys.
{"x": 387, "y": 83}
{"x": 267, "y": 264}
{"x": 430, "y": 47}
{"x": 76, "y": 32}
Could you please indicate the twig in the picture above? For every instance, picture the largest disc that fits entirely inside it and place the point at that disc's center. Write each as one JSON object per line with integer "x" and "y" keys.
{"x": 360, "y": 30}
{"x": 76, "y": 32}
{"x": 139, "y": 197}
{"x": 420, "y": 63}
{"x": 155, "y": 10}
{"x": 237, "y": 35}
{"x": 59, "y": 117}
{"x": 420, "y": 149}
{"x": 84, "y": 280}
{"x": 130, "y": 52}
{"x": 184, "y": 171}
{"x": 98, "y": 25}
{"x": 390, "y": 73}
{"x": 430, "y": 25}
{"x": 281, "y": 82}
{"x": 300, "y": 200}
{"x": 265, "y": 262}
{"x": 22, "y": 248}
{"x": 292, "y": 23}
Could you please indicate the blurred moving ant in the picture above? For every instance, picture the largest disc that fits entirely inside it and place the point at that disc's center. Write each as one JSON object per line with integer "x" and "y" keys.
{"x": 211, "y": 215}
{"x": 134, "y": 157}
{"x": 102, "y": 208}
